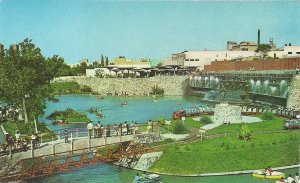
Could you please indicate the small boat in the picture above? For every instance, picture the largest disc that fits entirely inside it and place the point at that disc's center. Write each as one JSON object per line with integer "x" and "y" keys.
{"x": 274, "y": 175}
{"x": 59, "y": 122}
{"x": 124, "y": 104}
{"x": 154, "y": 100}
{"x": 151, "y": 178}
{"x": 99, "y": 115}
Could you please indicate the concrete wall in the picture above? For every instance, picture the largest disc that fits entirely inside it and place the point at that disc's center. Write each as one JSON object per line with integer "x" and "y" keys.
{"x": 172, "y": 85}
{"x": 294, "y": 94}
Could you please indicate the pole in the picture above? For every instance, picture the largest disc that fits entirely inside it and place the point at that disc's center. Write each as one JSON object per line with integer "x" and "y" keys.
{"x": 24, "y": 110}
{"x": 71, "y": 142}
{"x": 32, "y": 150}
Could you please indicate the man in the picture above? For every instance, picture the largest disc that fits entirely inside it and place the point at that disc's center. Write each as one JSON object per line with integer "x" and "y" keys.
{"x": 90, "y": 129}
{"x": 66, "y": 136}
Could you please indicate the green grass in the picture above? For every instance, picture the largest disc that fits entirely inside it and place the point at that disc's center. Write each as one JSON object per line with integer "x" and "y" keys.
{"x": 275, "y": 124}
{"x": 230, "y": 154}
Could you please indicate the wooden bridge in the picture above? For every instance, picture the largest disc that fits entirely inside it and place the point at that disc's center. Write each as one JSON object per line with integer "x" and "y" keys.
{"x": 69, "y": 160}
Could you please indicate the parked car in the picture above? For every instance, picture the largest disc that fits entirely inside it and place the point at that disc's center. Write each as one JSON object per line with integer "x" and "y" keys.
{"x": 292, "y": 124}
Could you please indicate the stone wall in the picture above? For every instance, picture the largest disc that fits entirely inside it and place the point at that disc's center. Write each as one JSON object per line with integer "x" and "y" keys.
{"x": 172, "y": 85}
{"x": 294, "y": 94}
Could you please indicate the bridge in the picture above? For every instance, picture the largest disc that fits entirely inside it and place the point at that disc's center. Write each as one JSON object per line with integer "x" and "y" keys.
{"x": 56, "y": 156}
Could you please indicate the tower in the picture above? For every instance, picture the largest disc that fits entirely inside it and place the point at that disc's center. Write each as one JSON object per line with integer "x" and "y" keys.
{"x": 258, "y": 37}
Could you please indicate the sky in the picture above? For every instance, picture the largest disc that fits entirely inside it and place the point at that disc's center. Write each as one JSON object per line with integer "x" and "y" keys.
{"x": 85, "y": 29}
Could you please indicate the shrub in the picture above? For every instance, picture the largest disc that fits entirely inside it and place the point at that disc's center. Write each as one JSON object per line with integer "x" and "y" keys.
{"x": 206, "y": 119}
{"x": 86, "y": 89}
{"x": 267, "y": 116}
{"x": 180, "y": 128}
{"x": 245, "y": 133}
{"x": 156, "y": 90}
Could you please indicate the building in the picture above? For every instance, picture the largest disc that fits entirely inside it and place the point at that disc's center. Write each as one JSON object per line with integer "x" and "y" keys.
{"x": 200, "y": 58}
{"x": 121, "y": 62}
{"x": 288, "y": 51}
{"x": 14, "y": 47}
{"x": 1, "y": 50}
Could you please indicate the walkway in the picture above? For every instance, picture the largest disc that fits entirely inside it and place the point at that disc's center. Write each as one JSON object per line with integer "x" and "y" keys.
{"x": 59, "y": 146}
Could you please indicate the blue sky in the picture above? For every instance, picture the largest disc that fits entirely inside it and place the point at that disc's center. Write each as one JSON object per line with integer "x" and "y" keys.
{"x": 77, "y": 29}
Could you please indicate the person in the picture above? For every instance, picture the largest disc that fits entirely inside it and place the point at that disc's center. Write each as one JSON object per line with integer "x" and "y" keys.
{"x": 90, "y": 129}
{"x": 289, "y": 179}
{"x": 66, "y": 136}
{"x": 269, "y": 170}
{"x": 34, "y": 140}
{"x": 136, "y": 178}
{"x": 296, "y": 178}
{"x": 17, "y": 134}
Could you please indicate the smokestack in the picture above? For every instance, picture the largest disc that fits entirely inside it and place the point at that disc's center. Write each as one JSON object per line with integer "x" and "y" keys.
{"x": 258, "y": 37}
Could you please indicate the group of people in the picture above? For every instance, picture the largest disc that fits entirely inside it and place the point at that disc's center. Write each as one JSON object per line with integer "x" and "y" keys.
{"x": 99, "y": 130}
{"x": 18, "y": 144}
{"x": 290, "y": 179}
{"x": 9, "y": 112}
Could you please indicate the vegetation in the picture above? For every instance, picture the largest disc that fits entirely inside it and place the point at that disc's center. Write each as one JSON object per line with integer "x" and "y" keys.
{"x": 69, "y": 115}
{"x": 245, "y": 132}
{"x": 263, "y": 50}
{"x": 229, "y": 154}
{"x": 206, "y": 119}
{"x": 156, "y": 90}
{"x": 180, "y": 128}
{"x": 70, "y": 88}
{"x": 27, "y": 129}
{"x": 25, "y": 76}
{"x": 267, "y": 116}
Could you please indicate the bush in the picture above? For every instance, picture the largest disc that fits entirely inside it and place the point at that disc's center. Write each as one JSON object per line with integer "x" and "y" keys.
{"x": 267, "y": 116}
{"x": 206, "y": 119}
{"x": 245, "y": 132}
{"x": 86, "y": 89}
{"x": 180, "y": 128}
{"x": 155, "y": 90}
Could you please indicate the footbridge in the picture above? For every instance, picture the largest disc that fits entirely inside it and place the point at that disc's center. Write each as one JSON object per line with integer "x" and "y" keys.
{"x": 58, "y": 155}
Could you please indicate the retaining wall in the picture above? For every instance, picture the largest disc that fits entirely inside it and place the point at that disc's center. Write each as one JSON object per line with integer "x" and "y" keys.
{"x": 172, "y": 85}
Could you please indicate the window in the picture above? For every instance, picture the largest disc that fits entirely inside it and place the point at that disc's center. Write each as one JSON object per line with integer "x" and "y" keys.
{"x": 297, "y": 52}
{"x": 191, "y": 59}
{"x": 197, "y": 59}
{"x": 186, "y": 59}
{"x": 289, "y": 53}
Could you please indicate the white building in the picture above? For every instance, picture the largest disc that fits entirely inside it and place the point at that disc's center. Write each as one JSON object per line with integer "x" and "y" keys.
{"x": 286, "y": 52}
{"x": 201, "y": 58}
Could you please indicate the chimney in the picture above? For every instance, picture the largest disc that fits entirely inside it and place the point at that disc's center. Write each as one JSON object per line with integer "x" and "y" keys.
{"x": 258, "y": 37}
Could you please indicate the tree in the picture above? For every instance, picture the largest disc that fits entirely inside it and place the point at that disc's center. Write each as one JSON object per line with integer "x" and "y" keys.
{"x": 25, "y": 79}
{"x": 263, "y": 50}
{"x": 245, "y": 133}
{"x": 106, "y": 61}
{"x": 102, "y": 61}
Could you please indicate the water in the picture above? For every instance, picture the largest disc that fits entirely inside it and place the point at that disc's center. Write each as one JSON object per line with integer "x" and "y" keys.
{"x": 139, "y": 109}
{"x": 106, "y": 173}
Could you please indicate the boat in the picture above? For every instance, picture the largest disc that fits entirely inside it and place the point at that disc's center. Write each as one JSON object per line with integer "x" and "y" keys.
{"x": 124, "y": 104}
{"x": 151, "y": 178}
{"x": 274, "y": 175}
{"x": 99, "y": 115}
{"x": 59, "y": 122}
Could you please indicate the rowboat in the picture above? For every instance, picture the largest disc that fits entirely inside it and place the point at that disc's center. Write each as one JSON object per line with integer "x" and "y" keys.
{"x": 274, "y": 175}
{"x": 151, "y": 178}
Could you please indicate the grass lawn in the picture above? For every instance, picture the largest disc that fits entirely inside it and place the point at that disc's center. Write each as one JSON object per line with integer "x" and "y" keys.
{"x": 275, "y": 124}
{"x": 230, "y": 154}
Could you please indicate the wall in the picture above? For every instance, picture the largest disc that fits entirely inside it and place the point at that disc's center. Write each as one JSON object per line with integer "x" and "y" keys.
{"x": 173, "y": 85}
{"x": 274, "y": 64}
{"x": 294, "y": 94}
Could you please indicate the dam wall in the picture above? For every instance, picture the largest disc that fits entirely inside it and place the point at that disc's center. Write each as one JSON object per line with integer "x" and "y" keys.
{"x": 172, "y": 85}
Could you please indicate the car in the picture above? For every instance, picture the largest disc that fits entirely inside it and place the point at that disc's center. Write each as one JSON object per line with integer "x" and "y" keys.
{"x": 292, "y": 124}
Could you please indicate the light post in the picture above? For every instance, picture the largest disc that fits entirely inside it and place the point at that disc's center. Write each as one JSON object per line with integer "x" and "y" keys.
{"x": 24, "y": 107}
{"x": 202, "y": 132}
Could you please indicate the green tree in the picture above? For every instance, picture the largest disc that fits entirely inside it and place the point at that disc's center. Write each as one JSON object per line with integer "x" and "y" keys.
{"x": 263, "y": 50}
{"x": 102, "y": 61}
{"x": 56, "y": 67}
{"x": 106, "y": 61}
{"x": 245, "y": 133}
{"x": 25, "y": 79}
